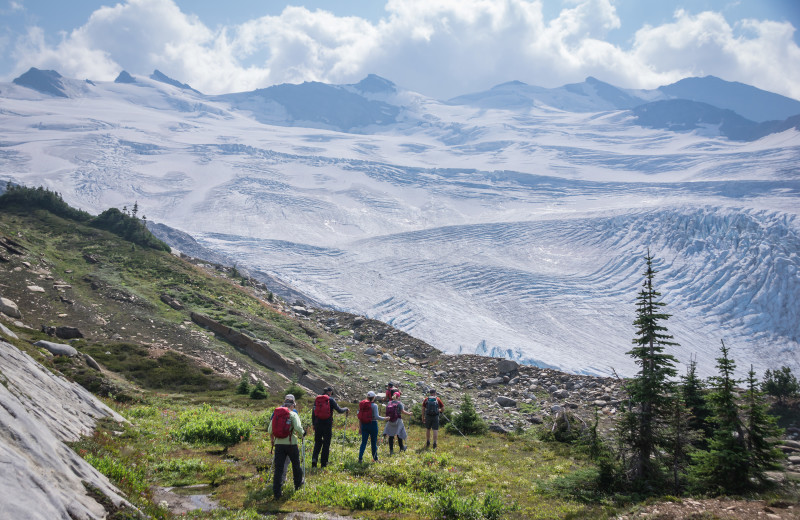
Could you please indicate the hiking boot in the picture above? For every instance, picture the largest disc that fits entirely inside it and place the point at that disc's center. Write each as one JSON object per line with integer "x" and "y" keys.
{"x": 434, "y": 445}
{"x": 404, "y": 448}
{"x": 427, "y": 445}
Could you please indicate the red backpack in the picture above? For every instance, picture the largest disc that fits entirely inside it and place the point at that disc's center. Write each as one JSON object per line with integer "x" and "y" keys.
{"x": 365, "y": 411}
{"x": 393, "y": 411}
{"x": 281, "y": 422}
{"x": 322, "y": 407}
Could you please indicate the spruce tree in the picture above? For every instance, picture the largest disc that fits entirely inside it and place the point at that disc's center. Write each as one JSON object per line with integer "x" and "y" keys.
{"x": 692, "y": 392}
{"x": 724, "y": 467}
{"x": 781, "y": 384}
{"x": 650, "y": 391}
{"x": 762, "y": 429}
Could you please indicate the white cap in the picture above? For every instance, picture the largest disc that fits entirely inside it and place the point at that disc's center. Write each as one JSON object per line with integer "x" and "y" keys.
{"x": 370, "y": 394}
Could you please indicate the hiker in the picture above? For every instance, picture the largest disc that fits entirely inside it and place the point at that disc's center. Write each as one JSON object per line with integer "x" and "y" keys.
{"x": 286, "y": 428}
{"x": 322, "y": 421}
{"x": 368, "y": 418}
{"x": 394, "y": 424}
{"x": 432, "y": 407}
{"x": 272, "y": 439}
{"x": 390, "y": 390}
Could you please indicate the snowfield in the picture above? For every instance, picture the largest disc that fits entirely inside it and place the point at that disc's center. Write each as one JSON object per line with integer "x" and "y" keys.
{"x": 499, "y": 227}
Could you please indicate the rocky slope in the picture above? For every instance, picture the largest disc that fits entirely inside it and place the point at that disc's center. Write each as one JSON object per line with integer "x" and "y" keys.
{"x": 42, "y": 478}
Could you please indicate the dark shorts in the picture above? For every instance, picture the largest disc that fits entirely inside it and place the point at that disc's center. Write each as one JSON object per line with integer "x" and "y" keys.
{"x": 432, "y": 422}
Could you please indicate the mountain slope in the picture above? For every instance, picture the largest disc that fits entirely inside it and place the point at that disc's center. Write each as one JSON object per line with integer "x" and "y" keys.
{"x": 510, "y": 231}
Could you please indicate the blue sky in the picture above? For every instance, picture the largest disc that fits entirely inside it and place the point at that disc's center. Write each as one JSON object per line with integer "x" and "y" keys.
{"x": 439, "y": 48}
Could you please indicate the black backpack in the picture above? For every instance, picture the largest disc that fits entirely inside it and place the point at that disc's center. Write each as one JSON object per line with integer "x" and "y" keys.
{"x": 432, "y": 406}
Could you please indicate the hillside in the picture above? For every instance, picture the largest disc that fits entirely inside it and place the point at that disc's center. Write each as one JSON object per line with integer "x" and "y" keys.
{"x": 160, "y": 337}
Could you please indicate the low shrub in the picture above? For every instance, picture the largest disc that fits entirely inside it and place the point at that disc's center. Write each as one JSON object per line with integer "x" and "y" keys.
{"x": 448, "y": 505}
{"x": 364, "y": 496}
{"x": 204, "y": 425}
{"x": 467, "y": 421}
{"x": 258, "y": 391}
{"x": 296, "y": 390}
{"x": 180, "y": 472}
{"x": 129, "y": 477}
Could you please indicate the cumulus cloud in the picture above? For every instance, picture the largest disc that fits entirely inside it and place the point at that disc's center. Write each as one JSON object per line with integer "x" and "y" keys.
{"x": 441, "y": 48}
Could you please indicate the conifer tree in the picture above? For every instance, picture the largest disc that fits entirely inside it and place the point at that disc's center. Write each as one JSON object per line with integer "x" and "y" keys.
{"x": 724, "y": 467}
{"x": 692, "y": 392}
{"x": 681, "y": 439}
{"x": 762, "y": 429}
{"x": 650, "y": 391}
{"x": 781, "y": 383}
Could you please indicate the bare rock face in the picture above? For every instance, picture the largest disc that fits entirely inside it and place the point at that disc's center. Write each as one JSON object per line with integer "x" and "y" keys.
{"x": 42, "y": 478}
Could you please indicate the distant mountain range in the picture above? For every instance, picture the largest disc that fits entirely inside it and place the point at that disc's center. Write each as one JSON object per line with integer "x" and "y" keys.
{"x": 711, "y": 105}
{"x": 510, "y": 222}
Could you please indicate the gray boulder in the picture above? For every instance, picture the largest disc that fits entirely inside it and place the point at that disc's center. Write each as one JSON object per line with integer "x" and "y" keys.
{"x": 68, "y": 333}
{"x": 498, "y": 428}
{"x": 492, "y": 381}
{"x": 561, "y": 394}
{"x": 9, "y": 308}
{"x": 7, "y": 332}
{"x": 370, "y": 351}
{"x": 505, "y": 402}
{"x": 91, "y": 362}
{"x": 506, "y": 366}
{"x": 58, "y": 349}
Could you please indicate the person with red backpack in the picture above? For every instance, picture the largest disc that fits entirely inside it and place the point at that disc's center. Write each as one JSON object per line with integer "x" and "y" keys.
{"x": 432, "y": 408}
{"x": 394, "y": 424}
{"x": 285, "y": 427}
{"x": 368, "y": 418}
{"x": 322, "y": 421}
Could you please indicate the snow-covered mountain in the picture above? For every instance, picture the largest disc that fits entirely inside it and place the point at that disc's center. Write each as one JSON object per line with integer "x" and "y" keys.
{"x": 511, "y": 222}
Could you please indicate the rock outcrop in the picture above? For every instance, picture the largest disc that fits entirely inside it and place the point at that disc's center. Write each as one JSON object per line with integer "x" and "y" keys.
{"x": 261, "y": 351}
{"x": 41, "y": 477}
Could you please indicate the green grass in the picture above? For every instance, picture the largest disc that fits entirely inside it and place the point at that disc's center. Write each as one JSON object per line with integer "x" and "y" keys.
{"x": 491, "y": 476}
{"x": 170, "y": 371}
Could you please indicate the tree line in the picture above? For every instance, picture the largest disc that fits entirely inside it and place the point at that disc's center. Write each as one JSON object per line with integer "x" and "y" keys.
{"x": 679, "y": 434}
{"x": 125, "y": 224}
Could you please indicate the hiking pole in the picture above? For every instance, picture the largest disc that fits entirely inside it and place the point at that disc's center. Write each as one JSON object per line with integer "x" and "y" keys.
{"x": 344, "y": 430}
{"x": 454, "y": 424}
{"x": 303, "y": 443}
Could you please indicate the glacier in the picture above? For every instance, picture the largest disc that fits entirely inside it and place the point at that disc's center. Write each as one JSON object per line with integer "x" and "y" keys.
{"x": 501, "y": 225}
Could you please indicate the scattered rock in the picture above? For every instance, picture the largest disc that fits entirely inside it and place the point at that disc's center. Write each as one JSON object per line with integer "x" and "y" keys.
{"x": 492, "y": 381}
{"x": 506, "y": 402}
{"x": 58, "y": 349}
{"x": 35, "y": 288}
{"x": 91, "y": 362}
{"x": 498, "y": 428}
{"x": 506, "y": 366}
{"x": 370, "y": 351}
{"x": 172, "y": 302}
{"x": 9, "y": 308}
{"x": 68, "y": 332}
{"x": 7, "y": 332}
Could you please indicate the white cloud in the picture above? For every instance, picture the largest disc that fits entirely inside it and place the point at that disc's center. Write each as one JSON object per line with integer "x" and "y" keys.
{"x": 441, "y": 48}
{"x": 760, "y": 53}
